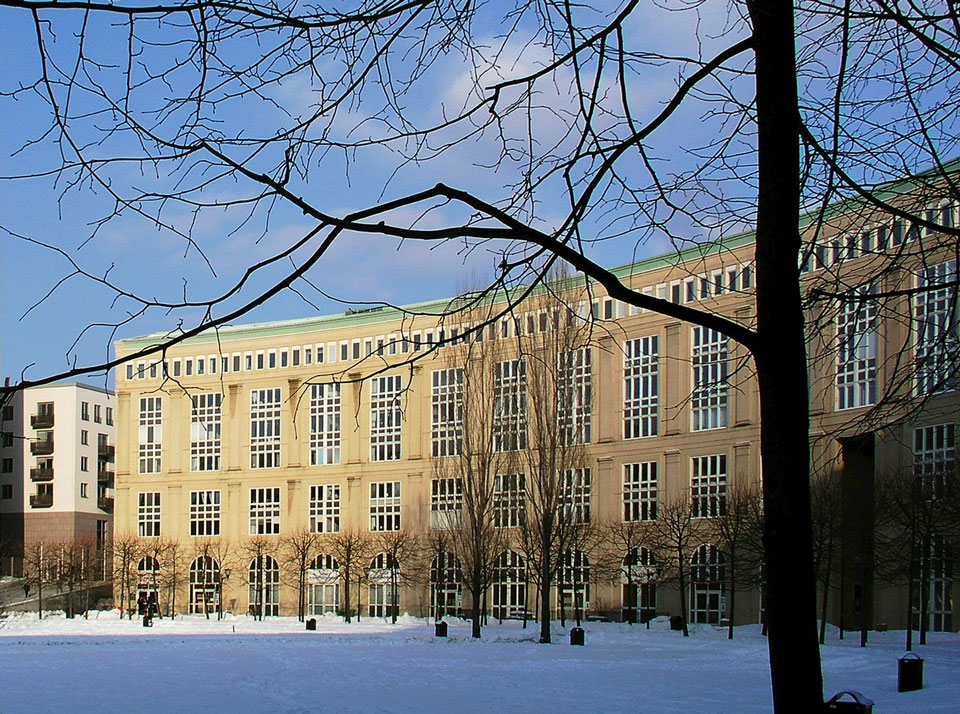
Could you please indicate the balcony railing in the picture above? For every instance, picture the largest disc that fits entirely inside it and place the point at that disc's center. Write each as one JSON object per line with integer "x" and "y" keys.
{"x": 39, "y": 474}
{"x": 42, "y": 421}
{"x": 104, "y": 477}
{"x": 105, "y": 503}
{"x": 106, "y": 451}
{"x": 41, "y": 448}
{"x": 41, "y": 500}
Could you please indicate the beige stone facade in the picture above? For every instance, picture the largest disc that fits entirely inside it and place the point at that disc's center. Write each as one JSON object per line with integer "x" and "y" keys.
{"x": 219, "y": 440}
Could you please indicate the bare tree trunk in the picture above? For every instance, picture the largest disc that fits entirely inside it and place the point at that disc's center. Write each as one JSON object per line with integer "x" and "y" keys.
{"x": 780, "y": 357}
{"x": 826, "y": 593}
{"x": 733, "y": 596}
{"x": 681, "y": 577}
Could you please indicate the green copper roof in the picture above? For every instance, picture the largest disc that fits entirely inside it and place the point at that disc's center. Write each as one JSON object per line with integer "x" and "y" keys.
{"x": 378, "y": 314}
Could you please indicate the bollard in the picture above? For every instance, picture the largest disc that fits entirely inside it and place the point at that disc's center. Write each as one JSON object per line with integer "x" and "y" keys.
{"x": 909, "y": 673}
{"x": 576, "y": 636}
{"x": 311, "y": 624}
{"x": 440, "y": 629}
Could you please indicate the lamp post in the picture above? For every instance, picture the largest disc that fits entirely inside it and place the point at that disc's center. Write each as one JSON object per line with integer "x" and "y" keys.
{"x": 224, "y": 577}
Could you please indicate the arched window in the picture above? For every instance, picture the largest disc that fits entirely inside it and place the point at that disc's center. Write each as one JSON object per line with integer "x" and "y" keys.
{"x": 148, "y": 578}
{"x": 383, "y": 580}
{"x": 639, "y": 575}
{"x": 446, "y": 585}
{"x": 323, "y": 579}
{"x": 936, "y": 593}
{"x": 264, "y": 581}
{"x": 573, "y": 585}
{"x": 707, "y": 585}
{"x": 509, "y": 586}
{"x": 204, "y": 576}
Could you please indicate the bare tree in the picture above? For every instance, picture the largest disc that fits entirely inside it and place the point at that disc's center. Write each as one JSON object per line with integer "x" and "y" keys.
{"x": 620, "y": 556}
{"x": 211, "y": 559}
{"x": 401, "y": 554}
{"x": 825, "y": 507}
{"x": 126, "y": 553}
{"x": 735, "y": 531}
{"x": 543, "y": 402}
{"x": 352, "y": 549}
{"x": 256, "y": 572}
{"x": 36, "y": 569}
{"x": 676, "y": 533}
{"x": 154, "y": 553}
{"x": 173, "y": 568}
{"x": 553, "y": 103}
{"x": 467, "y": 462}
{"x": 916, "y": 522}
{"x": 298, "y": 550}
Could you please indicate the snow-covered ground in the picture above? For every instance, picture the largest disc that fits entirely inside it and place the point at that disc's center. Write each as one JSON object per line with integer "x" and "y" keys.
{"x": 239, "y": 666}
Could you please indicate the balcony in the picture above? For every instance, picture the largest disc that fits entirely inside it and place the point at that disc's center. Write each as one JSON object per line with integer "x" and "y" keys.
{"x": 106, "y": 451}
{"x": 105, "y": 503}
{"x": 41, "y": 500}
{"x": 41, "y": 474}
{"x": 41, "y": 448}
{"x": 104, "y": 477}
{"x": 42, "y": 421}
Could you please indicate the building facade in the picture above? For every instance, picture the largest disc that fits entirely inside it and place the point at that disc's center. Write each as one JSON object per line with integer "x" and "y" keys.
{"x": 231, "y": 443}
{"x": 56, "y": 469}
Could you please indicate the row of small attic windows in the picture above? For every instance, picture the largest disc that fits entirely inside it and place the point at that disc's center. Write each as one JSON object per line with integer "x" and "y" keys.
{"x": 877, "y": 239}
{"x": 698, "y": 287}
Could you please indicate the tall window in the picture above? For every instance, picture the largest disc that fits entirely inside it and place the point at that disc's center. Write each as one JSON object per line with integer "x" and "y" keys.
{"x": 509, "y": 500}
{"x": 934, "y": 458}
{"x": 709, "y": 379}
{"x": 205, "y": 432}
{"x": 707, "y": 585}
{"x": 857, "y": 352}
{"x": 446, "y": 585}
{"x": 446, "y": 398}
{"x": 384, "y": 578}
{"x": 204, "y": 513}
{"x": 935, "y": 329}
{"x": 264, "y": 511}
{"x": 936, "y": 593}
{"x": 574, "y": 502}
{"x": 325, "y": 508}
{"x": 324, "y": 580}
{"x": 151, "y": 434}
{"x": 573, "y": 584}
{"x": 385, "y": 506}
{"x": 148, "y": 514}
{"x": 324, "y": 424}
{"x": 640, "y": 491}
{"x": 204, "y": 584}
{"x": 641, "y": 387}
{"x": 575, "y": 395}
{"x": 264, "y": 428}
{"x": 708, "y": 486}
{"x": 446, "y": 502}
{"x": 264, "y": 589}
{"x": 510, "y": 415}
{"x": 509, "y": 586}
{"x": 386, "y": 418}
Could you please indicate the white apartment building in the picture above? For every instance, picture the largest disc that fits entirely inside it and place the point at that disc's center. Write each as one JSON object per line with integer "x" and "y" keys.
{"x": 56, "y": 468}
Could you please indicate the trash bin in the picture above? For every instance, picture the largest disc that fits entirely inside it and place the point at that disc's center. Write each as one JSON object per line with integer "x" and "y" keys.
{"x": 909, "y": 673}
{"x": 676, "y": 622}
{"x": 576, "y": 636}
{"x": 147, "y": 621}
{"x": 859, "y": 703}
{"x": 440, "y": 629}
{"x": 311, "y": 624}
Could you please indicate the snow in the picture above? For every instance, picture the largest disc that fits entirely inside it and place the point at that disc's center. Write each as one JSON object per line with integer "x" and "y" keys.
{"x": 105, "y": 664}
